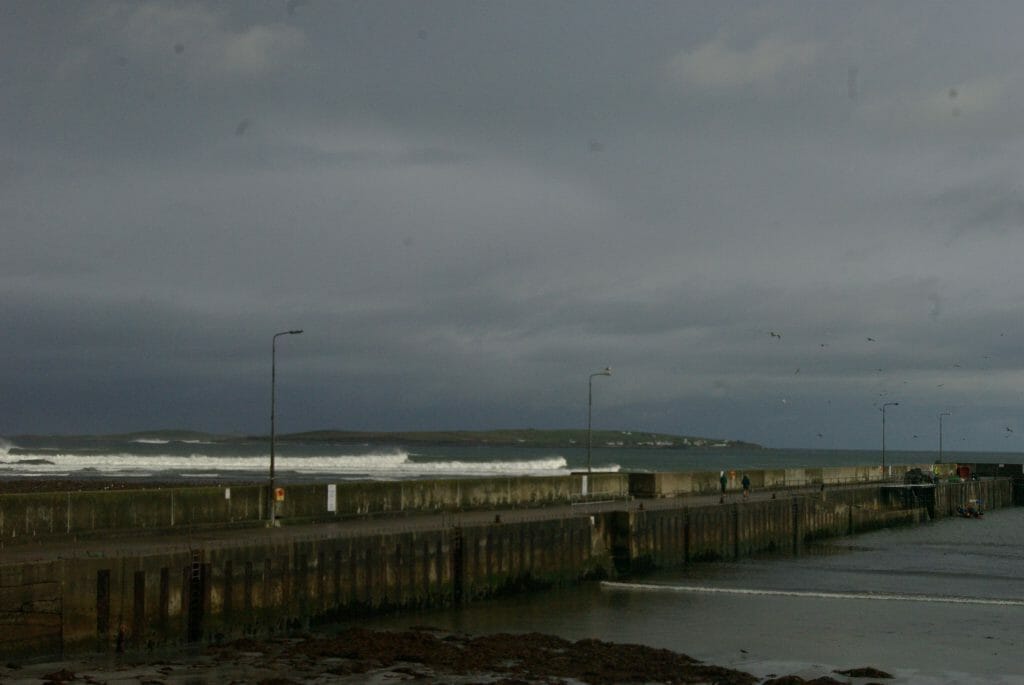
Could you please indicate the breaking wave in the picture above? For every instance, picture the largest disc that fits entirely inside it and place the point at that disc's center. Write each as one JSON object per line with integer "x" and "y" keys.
{"x": 877, "y": 596}
{"x": 387, "y": 464}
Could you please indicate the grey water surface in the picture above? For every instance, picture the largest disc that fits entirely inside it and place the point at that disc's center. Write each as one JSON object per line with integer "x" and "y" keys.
{"x": 938, "y": 603}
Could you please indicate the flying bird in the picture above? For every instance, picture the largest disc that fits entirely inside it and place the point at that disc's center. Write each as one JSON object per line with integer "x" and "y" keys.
{"x": 1009, "y": 430}
{"x": 871, "y": 339}
{"x": 775, "y": 335}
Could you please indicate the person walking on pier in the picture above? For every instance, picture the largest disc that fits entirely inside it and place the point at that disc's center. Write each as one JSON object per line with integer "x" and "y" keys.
{"x": 723, "y": 480}
{"x": 746, "y": 486}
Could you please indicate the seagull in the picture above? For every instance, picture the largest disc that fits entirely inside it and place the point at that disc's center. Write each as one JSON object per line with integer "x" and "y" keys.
{"x": 1009, "y": 430}
{"x": 796, "y": 372}
{"x": 775, "y": 335}
{"x": 871, "y": 340}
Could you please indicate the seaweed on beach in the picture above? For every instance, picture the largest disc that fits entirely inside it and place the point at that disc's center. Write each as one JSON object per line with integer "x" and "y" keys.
{"x": 530, "y": 657}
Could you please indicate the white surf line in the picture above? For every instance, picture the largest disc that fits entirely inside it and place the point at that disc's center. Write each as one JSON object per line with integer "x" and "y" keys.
{"x": 703, "y": 589}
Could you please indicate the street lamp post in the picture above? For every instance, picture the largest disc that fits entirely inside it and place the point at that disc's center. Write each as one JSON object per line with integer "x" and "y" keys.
{"x": 945, "y": 413}
{"x": 607, "y": 371}
{"x": 273, "y": 381}
{"x": 887, "y": 404}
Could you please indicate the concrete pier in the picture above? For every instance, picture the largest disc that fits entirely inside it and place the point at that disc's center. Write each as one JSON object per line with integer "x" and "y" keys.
{"x": 64, "y": 592}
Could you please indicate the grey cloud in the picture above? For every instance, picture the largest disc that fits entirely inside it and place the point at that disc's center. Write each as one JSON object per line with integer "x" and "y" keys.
{"x": 994, "y": 207}
{"x": 468, "y": 207}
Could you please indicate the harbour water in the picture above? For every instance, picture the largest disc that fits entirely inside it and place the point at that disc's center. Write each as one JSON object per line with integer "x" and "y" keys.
{"x": 940, "y": 603}
{"x": 167, "y": 459}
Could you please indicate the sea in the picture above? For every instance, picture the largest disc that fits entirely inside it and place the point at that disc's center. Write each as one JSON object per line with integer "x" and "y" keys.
{"x": 938, "y": 603}
{"x": 161, "y": 458}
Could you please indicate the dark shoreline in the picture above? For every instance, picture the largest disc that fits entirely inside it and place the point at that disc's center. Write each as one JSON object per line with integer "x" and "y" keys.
{"x": 421, "y": 654}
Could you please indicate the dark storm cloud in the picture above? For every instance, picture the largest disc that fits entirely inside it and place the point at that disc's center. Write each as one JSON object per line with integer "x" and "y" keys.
{"x": 469, "y": 207}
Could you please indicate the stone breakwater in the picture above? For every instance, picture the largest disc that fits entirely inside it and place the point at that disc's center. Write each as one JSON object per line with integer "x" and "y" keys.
{"x": 127, "y": 590}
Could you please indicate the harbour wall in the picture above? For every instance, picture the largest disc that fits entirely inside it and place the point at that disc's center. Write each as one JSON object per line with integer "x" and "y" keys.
{"x": 648, "y": 538}
{"x": 29, "y": 517}
{"x": 173, "y": 590}
{"x": 39, "y": 517}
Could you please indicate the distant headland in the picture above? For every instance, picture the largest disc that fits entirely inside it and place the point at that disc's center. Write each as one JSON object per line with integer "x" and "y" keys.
{"x": 525, "y": 437}
{"x": 515, "y": 437}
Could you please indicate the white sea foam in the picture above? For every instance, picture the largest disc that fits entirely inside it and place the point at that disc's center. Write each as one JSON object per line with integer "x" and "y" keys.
{"x": 165, "y": 441}
{"x": 6, "y": 446}
{"x": 883, "y": 596}
{"x": 384, "y": 464}
{"x": 126, "y": 462}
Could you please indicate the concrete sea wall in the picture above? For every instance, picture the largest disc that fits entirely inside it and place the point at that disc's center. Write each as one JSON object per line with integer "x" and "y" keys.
{"x": 708, "y": 482}
{"x": 29, "y": 517}
{"x": 45, "y": 516}
{"x": 173, "y": 590}
{"x": 670, "y": 538}
{"x": 263, "y": 584}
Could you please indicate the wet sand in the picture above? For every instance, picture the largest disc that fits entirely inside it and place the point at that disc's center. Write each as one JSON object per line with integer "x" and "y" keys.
{"x": 421, "y": 655}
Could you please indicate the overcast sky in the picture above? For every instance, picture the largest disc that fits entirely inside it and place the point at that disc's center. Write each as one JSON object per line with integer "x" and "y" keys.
{"x": 768, "y": 218}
